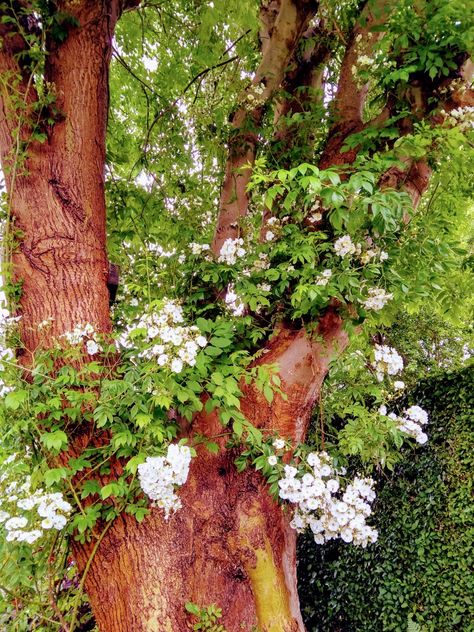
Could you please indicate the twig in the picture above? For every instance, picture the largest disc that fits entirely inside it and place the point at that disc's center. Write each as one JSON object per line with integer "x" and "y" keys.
{"x": 52, "y": 600}
{"x": 321, "y": 419}
{"x": 84, "y": 576}
{"x": 123, "y": 63}
{"x": 193, "y": 80}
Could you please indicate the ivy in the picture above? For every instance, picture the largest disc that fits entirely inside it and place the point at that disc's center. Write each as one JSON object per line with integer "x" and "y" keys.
{"x": 418, "y": 573}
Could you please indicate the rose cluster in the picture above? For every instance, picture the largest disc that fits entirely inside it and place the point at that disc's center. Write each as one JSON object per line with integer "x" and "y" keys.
{"x": 324, "y": 507}
{"x": 254, "y": 97}
{"x": 373, "y": 253}
{"x": 377, "y": 299}
{"x": 198, "y": 249}
{"x": 50, "y": 508}
{"x": 323, "y": 278}
{"x": 233, "y": 301}
{"x": 7, "y": 322}
{"x": 387, "y": 361}
{"x": 167, "y": 340}
{"x": 83, "y": 334}
{"x": 159, "y": 475}
{"x": 461, "y": 116}
{"x": 344, "y": 246}
{"x": 231, "y": 250}
{"x": 410, "y": 422}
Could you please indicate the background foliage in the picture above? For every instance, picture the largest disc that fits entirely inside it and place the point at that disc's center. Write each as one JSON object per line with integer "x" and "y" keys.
{"x": 419, "y": 570}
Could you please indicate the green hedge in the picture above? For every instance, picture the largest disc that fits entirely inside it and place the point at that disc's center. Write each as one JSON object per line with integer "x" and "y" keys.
{"x": 419, "y": 575}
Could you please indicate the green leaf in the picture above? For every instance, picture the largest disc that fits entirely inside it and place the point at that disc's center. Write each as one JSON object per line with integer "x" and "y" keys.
{"x": 112, "y": 489}
{"x": 15, "y": 398}
{"x": 221, "y": 343}
{"x": 90, "y": 487}
{"x": 192, "y": 608}
{"x": 268, "y": 393}
{"x": 55, "y": 475}
{"x": 238, "y": 428}
{"x": 212, "y": 447}
{"x": 56, "y": 440}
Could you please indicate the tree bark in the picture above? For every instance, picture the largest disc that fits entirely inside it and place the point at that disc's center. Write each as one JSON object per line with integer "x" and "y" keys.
{"x": 57, "y": 200}
{"x": 231, "y": 543}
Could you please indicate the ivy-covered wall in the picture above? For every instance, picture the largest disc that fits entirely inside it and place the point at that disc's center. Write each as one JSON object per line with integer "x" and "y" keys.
{"x": 418, "y": 576}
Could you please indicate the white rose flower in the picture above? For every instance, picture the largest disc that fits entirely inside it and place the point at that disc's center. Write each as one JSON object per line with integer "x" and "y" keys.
{"x": 92, "y": 347}
{"x": 201, "y": 341}
{"x": 162, "y": 359}
{"x": 176, "y": 365}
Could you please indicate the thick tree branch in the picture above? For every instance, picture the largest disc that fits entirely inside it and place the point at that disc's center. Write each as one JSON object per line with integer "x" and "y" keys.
{"x": 350, "y": 96}
{"x": 281, "y": 33}
{"x": 414, "y": 176}
{"x": 303, "y": 362}
{"x": 302, "y": 87}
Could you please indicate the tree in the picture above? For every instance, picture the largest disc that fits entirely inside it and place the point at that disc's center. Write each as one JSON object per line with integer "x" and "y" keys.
{"x": 351, "y": 111}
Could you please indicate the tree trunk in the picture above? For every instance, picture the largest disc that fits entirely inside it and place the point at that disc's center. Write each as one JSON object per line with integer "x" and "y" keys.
{"x": 57, "y": 200}
{"x": 231, "y": 543}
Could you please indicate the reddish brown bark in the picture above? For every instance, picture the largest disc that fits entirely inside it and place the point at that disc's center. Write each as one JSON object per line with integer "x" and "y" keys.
{"x": 230, "y": 544}
{"x": 57, "y": 196}
{"x": 206, "y": 553}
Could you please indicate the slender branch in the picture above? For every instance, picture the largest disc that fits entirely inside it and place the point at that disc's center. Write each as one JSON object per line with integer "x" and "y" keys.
{"x": 172, "y": 105}
{"x": 208, "y": 70}
{"x": 84, "y": 575}
{"x": 123, "y": 63}
{"x": 52, "y": 597}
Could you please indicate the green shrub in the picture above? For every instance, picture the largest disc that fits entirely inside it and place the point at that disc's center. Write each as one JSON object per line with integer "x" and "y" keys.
{"x": 418, "y": 576}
